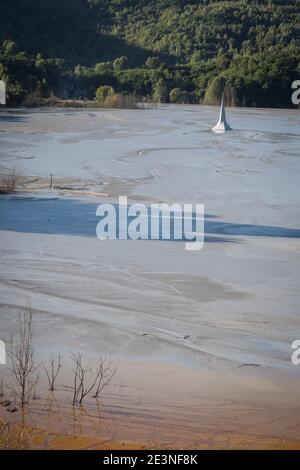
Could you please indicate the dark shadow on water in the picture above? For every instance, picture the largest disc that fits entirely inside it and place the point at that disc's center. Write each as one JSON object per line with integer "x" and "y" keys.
{"x": 73, "y": 217}
{"x": 12, "y": 118}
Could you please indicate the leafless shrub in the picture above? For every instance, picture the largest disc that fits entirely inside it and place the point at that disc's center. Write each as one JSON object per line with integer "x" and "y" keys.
{"x": 23, "y": 365}
{"x": 97, "y": 380}
{"x": 105, "y": 372}
{"x": 9, "y": 183}
{"x": 81, "y": 374}
{"x": 120, "y": 101}
{"x": 53, "y": 371}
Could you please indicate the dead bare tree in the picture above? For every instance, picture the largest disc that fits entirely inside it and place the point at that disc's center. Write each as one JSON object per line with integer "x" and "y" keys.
{"x": 81, "y": 373}
{"x": 54, "y": 368}
{"x": 9, "y": 182}
{"x": 23, "y": 365}
{"x": 105, "y": 372}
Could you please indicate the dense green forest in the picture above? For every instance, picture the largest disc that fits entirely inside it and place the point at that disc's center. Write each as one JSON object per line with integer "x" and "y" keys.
{"x": 166, "y": 50}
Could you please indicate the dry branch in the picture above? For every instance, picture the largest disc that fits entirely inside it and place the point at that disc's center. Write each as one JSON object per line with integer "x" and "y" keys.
{"x": 52, "y": 373}
{"x": 23, "y": 366}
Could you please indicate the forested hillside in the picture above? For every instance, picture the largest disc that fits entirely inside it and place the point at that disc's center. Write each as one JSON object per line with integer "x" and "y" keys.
{"x": 169, "y": 50}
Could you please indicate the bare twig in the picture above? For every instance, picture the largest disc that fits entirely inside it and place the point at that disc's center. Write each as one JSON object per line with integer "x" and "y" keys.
{"x": 80, "y": 387}
{"x": 105, "y": 372}
{"x": 52, "y": 373}
{"x": 23, "y": 366}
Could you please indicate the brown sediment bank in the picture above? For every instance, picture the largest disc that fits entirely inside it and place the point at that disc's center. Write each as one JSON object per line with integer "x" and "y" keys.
{"x": 166, "y": 407}
{"x": 20, "y": 437}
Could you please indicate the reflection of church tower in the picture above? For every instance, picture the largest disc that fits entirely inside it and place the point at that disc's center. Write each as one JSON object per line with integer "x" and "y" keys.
{"x": 222, "y": 125}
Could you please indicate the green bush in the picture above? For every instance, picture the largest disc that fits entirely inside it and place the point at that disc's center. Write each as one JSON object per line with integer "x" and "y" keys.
{"x": 104, "y": 92}
{"x": 178, "y": 96}
{"x": 120, "y": 63}
{"x": 160, "y": 91}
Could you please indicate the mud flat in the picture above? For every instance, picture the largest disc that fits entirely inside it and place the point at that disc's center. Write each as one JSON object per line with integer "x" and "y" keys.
{"x": 201, "y": 340}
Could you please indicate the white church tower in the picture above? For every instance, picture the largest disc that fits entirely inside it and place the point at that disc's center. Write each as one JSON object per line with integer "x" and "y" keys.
{"x": 222, "y": 125}
{"x": 2, "y": 92}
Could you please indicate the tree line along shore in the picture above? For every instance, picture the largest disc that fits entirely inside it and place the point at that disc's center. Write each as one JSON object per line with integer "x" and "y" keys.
{"x": 179, "y": 51}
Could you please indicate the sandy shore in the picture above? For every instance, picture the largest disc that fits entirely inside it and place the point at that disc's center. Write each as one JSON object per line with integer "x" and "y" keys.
{"x": 27, "y": 438}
